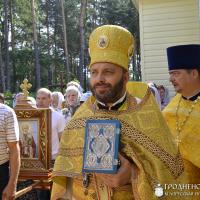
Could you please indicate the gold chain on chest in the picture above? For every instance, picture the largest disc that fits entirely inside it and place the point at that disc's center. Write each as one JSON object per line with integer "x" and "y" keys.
{"x": 181, "y": 125}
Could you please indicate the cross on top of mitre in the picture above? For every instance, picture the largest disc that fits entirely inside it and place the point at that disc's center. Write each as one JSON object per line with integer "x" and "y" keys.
{"x": 25, "y": 86}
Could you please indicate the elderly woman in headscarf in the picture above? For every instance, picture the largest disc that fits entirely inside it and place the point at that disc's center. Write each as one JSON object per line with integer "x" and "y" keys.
{"x": 57, "y": 101}
{"x": 77, "y": 84}
{"x": 72, "y": 101}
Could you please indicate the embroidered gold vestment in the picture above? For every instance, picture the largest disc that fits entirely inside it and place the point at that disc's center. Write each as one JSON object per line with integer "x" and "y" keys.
{"x": 189, "y": 135}
{"x": 145, "y": 141}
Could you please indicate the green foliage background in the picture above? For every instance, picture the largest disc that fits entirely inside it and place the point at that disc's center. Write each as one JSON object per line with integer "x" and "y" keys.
{"x": 51, "y": 53}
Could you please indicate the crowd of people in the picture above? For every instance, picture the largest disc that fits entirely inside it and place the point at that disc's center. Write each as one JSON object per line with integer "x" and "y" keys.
{"x": 159, "y": 138}
{"x": 62, "y": 107}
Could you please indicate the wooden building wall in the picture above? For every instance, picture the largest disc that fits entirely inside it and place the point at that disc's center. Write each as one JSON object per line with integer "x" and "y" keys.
{"x": 164, "y": 23}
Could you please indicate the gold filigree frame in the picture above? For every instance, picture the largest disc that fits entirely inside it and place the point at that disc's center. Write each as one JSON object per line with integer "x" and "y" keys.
{"x": 40, "y": 166}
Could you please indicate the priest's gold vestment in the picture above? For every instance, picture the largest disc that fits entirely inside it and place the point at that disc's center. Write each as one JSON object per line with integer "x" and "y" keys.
{"x": 189, "y": 136}
{"x": 145, "y": 141}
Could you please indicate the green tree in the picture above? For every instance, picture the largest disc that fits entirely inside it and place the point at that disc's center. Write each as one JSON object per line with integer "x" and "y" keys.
{"x": 6, "y": 44}
{"x": 35, "y": 44}
{"x": 79, "y": 19}
{"x": 82, "y": 66}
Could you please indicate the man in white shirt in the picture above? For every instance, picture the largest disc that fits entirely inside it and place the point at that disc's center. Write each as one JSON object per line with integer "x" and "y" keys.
{"x": 43, "y": 100}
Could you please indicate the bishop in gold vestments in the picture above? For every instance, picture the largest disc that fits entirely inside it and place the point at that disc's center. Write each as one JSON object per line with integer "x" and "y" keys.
{"x": 149, "y": 157}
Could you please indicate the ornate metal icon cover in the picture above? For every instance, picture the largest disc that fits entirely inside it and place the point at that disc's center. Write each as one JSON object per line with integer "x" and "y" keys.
{"x": 101, "y": 146}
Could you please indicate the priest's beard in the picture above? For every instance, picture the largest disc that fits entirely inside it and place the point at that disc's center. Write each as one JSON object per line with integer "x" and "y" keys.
{"x": 113, "y": 93}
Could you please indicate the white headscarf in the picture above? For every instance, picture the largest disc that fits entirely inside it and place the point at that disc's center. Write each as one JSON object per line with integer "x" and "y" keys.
{"x": 76, "y": 84}
{"x": 85, "y": 96}
{"x": 60, "y": 97}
